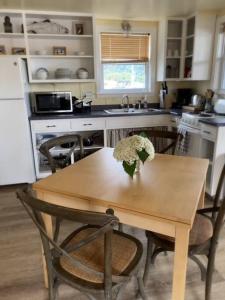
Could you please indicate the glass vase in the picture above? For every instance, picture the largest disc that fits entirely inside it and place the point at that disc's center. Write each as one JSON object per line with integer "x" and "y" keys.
{"x": 138, "y": 167}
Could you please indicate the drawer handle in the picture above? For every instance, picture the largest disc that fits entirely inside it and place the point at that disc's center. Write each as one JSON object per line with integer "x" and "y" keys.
{"x": 50, "y": 126}
{"x": 206, "y": 131}
{"x": 88, "y": 124}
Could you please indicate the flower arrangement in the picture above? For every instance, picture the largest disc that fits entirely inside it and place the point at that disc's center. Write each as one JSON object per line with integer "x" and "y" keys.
{"x": 133, "y": 149}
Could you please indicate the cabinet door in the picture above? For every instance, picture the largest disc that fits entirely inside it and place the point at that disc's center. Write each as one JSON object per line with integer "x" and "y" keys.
{"x": 11, "y": 86}
{"x": 174, "y": 49}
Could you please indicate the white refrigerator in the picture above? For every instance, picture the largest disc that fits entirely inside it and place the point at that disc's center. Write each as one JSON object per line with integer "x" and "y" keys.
{"x": 16, "y": 155}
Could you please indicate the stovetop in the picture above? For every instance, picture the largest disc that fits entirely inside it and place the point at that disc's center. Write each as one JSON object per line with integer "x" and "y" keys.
{"x": 192, "y": 119}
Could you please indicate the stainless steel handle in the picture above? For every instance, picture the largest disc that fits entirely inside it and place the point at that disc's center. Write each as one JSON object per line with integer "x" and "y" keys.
{"x": 50, "y": 126}
{"x": 206, "y": 131}
{"x": 88, "y": 124}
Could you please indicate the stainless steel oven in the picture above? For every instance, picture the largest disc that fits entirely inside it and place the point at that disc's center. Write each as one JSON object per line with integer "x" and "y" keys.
{"x": 51, "y": 102}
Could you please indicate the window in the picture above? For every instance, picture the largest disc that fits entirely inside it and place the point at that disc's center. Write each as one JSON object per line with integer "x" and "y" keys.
{"x": 222, "y": 82}
{"x": 218, "y": 78}
{"x": 125, "y": 63}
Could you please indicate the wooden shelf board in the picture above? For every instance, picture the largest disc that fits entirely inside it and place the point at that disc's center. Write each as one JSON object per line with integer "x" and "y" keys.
{"x": 60, "y": 80}
{"x": 190, "y": 36}
{"x": 174, "y": 38}
{"x": 11, "y": 35}
{"x": 173, "y": 57}
{"x": 61, "y": 56}
{"x": 58, "y": 36}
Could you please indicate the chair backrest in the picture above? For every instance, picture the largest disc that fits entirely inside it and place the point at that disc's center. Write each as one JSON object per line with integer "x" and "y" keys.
{"x": 168, "y": 139}
{"x": 73, "y": 141}
{"x": 104, "y": 223}
{"x": 220, "y": 209}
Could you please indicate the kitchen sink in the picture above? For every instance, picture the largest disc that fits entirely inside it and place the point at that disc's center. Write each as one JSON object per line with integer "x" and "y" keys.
{"x": 118, "y": 111}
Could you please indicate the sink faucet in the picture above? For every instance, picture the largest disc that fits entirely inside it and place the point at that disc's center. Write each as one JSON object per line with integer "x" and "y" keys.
{"x": 127, "y": 98}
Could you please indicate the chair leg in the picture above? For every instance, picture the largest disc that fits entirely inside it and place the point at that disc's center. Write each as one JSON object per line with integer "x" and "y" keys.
{"x": 141, "y": 288}
{"x": 155, "y": 253}
{"x": 51, "y": 288}
{"x": 116, "y": 291}
{"x": 209, "y": 274}
{"x": 200, "y": 265}
{"x": 90, "y": 297}
{"x": 148, "y": 259}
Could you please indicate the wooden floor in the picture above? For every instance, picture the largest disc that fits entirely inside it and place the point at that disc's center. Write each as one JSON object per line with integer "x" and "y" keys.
{"x": 21, "y": 270}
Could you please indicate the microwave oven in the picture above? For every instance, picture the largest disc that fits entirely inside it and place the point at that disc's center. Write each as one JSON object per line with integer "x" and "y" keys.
{"x": 51, "y": 102}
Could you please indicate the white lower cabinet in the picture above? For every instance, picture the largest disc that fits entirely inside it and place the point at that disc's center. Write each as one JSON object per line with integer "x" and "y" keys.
{"x": 213, "y": 148}
{"x": 93, "y": 130}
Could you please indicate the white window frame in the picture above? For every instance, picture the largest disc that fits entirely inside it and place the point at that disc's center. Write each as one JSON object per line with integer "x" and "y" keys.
{"x": 150, "y": 65}
{"x": 218, "y": 60}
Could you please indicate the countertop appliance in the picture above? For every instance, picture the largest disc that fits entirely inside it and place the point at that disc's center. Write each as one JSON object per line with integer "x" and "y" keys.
{"x": 219, "y": 106}
{"x": 51, "y": 102}
{"x": 16, "y": 159}
{"x": 198, "y": 101}
{"x": 183, "y": 97}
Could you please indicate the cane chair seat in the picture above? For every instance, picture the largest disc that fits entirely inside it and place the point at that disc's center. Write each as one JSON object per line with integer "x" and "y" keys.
{"x": 126, "y": 251}
{"x": 201, "y": 232}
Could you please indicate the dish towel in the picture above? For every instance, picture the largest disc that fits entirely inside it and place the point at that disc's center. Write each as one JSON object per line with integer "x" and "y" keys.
{"x": 183, "y": 144}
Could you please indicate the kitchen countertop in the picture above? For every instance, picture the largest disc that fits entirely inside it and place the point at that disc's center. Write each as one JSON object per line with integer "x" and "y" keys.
{"x": 217, "y": 121}
{"x": 102, "y": 114}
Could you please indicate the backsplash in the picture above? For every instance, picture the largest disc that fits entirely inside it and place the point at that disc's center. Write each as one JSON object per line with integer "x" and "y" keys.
{"x": 79, "y": 89}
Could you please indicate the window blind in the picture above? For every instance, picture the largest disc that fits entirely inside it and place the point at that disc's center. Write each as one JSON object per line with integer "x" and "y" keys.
{"x": 121, "y": 48}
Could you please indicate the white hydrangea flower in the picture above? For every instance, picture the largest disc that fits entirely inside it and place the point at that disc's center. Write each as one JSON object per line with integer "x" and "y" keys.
{"x": 126, "y": 149}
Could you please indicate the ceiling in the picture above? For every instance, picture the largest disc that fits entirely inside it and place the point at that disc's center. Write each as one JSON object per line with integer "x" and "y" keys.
{"x": 125, "y": 9}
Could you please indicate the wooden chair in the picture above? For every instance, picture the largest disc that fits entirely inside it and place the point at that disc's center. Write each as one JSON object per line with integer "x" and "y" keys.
{"x": 94, "y": 258}
{"x": 203, "y": 240}
{"x": 73, "y": 141}
{"x": 163, "y": 141}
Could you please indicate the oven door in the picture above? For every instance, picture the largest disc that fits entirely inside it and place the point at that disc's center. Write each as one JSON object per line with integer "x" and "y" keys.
{"x": 191, "y": 144}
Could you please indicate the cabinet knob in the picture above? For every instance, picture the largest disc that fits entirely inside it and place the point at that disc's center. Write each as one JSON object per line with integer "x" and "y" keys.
{"x": 15, "y": 63}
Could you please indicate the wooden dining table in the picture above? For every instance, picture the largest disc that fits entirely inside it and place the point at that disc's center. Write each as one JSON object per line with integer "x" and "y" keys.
{"x": 162, "y": 198}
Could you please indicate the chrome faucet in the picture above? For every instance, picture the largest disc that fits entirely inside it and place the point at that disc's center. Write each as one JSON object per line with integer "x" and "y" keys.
{"x": 128, "y": 102}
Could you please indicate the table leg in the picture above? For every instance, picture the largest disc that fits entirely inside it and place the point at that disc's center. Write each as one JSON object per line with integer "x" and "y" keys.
{"x": 180, "y": 262}
{"x": 48, "y": 225}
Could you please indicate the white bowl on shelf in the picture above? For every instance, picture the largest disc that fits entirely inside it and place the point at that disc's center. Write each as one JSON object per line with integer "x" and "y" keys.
{"x": 80, "y": 53}
{"x": 82, "y": 73}
{"x": 63, "y": 73}
{"x": 41, "y": 73}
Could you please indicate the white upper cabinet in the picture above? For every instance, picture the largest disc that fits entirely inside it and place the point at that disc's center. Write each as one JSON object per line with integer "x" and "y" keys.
{"x": 185, "y": 48}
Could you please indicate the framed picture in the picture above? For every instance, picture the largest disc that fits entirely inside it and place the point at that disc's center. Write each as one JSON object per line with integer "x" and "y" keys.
{"x": 79, "y": 29}
{"x": 59, "y": 50}
{"x": 2, "y": 49}
{"x": 18, "y": 51}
